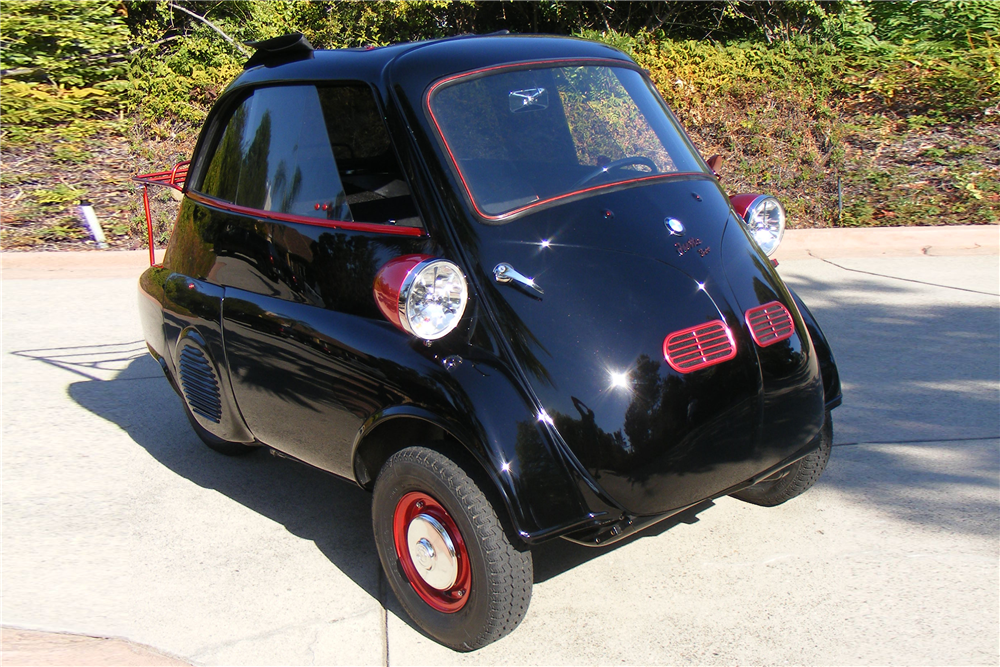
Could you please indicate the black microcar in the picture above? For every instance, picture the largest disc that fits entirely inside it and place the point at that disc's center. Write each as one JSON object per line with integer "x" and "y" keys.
{"x": 490, "y": 279}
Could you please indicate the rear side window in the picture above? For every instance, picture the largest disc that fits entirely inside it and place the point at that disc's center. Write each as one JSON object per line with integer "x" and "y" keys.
{"x": 320, "y": 152}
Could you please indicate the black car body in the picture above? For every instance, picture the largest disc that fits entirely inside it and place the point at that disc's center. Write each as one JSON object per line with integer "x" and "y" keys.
{"x": 322, "y": 178}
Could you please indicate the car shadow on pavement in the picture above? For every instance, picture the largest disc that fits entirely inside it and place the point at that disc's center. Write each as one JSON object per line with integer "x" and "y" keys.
{"x": 920, "y": 377}
{"x": 331, "y": 512}
{"x": 921, "y": 373}
{"x": 311, "y": 504}
{"x": 558, "y": 556}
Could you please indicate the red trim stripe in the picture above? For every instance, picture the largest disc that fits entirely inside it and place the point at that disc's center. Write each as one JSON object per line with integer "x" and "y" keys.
{"x": 306, "y": 220}
{"x": 529, "y": 64}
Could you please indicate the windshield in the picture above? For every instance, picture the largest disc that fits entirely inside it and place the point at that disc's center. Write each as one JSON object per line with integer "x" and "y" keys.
{"x": 522, "y": 138}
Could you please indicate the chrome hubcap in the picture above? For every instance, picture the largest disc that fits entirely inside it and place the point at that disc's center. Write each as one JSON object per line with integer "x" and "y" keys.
{"x": 432, "y": 552}
{"x": 423, "y": 554}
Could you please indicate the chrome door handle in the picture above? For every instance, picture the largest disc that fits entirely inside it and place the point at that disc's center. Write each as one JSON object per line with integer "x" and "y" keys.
{"x": 505, "y": 273}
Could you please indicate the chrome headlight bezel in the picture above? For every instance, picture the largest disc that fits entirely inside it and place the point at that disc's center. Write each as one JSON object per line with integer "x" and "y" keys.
{"x": 414, "y": 288}
{"x": 765, "y": 221}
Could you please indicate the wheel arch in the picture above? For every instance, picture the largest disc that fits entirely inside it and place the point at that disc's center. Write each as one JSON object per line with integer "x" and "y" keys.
{"x": 201, "y": 379}
{"x": 395, "y": 428}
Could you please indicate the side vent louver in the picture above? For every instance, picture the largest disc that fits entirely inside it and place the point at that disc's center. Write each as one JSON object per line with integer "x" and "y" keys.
{"x": 699, "y": 347}
{"x": 770, "y": 323}
{"x": 199, "y": 384}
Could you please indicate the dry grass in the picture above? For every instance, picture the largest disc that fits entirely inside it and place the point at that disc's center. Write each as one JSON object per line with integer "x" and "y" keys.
{"x": 43, "y": 184}
{"x": 887, "y": 171}
{"x": 892, "y": 172}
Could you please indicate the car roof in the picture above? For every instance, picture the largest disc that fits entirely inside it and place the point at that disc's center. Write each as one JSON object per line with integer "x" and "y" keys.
{"x": 421, "y": 63}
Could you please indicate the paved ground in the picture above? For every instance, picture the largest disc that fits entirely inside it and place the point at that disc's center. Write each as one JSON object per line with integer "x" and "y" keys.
{"x": 118, "y": 522}
{"x": 31, "y": 647}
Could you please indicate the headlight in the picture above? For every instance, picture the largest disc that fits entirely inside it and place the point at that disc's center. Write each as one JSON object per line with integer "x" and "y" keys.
{"x": 432, "y": 299}
{"x": 765, "y": 218}
{"x": 422, "y": 295}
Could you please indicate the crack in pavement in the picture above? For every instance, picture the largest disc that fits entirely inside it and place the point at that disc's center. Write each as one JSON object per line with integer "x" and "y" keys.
{"x": 207, "y": 650}
{"x": 380, "y": 576}
{"x": 906, "y": 280}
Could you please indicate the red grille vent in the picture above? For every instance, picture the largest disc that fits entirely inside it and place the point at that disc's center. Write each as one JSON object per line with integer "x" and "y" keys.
{"x": 770, "y": 323}
{"x": 699, "y": 347}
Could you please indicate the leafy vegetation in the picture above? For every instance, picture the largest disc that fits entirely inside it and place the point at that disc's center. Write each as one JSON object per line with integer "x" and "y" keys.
{"x": 62, "y": 61}
{"x": 854, "y": 112}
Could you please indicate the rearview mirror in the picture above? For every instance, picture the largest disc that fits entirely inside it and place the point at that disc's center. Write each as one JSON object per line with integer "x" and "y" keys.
{"x": 714, "y": 163}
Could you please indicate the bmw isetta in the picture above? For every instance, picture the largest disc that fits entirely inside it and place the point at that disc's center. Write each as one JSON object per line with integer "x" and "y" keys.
{"x": 491, "y": 280}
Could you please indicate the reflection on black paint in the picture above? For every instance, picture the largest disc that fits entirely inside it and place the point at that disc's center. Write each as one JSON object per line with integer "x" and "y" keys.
{"x": 675, "y": 429}
{"x": 521, "y": 339}
{"x": 345, "y": 272}
{"x": 293, "y": 361}
{"x": 253, "y": 188}
{"x": 335, "y": 270}
{"x": 222, "y": 177}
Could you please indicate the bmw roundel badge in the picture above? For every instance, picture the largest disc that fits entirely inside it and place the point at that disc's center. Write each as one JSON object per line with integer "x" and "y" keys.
{"x": 675, "y": 226}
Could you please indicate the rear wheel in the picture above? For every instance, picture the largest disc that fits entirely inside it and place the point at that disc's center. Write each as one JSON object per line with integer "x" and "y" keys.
{"x": 215, "y": 442}
{"x": 797, "y": 478}
{"x": 445, "y": 552}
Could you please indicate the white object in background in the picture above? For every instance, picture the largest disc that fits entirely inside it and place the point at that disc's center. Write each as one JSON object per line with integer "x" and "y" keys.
{"x": 87, "y": 212}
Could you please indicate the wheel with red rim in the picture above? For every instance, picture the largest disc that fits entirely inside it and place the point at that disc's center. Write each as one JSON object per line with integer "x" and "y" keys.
{"x": 431, "y": 552}
{"x": 445, "y": 552}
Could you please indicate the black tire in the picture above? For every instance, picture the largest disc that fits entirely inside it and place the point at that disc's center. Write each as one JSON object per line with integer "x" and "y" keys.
{"x": 215, "y": 442}
{"x": 498, "y": 590}
{"x": 797, "y": 478}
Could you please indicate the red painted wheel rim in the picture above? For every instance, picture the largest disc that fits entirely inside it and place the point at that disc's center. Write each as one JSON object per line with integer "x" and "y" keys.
{"x": 446, "y": 601}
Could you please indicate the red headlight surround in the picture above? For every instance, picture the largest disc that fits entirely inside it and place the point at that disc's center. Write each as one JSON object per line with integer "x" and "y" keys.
{"x": 422, "y": 295}
{"x": 388, "y": 283}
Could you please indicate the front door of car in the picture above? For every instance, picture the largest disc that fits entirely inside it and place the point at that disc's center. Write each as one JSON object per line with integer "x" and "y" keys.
{"x": 307, "y": 202}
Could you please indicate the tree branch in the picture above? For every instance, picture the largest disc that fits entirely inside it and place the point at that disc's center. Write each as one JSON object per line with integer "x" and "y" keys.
{"x": 19, "y": 71}
{"x": 214, "y": 27}
{"x": 110, "y": 57}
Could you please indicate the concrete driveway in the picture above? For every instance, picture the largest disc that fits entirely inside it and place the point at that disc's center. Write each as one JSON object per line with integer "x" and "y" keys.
{"x": 118, "y": 522}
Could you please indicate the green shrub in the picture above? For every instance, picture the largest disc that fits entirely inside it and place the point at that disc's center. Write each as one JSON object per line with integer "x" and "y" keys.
{"x": 63, "y": 61}
{"x": 897, "y": 100}
{"x": 69, "y": 43}
{"x": 940, "y": 60}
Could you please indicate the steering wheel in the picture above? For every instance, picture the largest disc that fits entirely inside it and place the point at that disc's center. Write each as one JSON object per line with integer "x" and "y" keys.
{"x": 618, "y": 164}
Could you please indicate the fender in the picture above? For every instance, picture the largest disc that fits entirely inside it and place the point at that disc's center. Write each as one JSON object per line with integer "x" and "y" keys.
{"x": 193, "y": 348}
{"x": 494, "y": 423}
{"x": 151, "y": 299}
{"x": 827, "y": 364}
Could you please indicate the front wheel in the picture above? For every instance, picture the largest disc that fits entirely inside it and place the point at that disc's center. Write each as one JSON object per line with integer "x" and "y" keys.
{"x": 445, "y": 553}
{"x": 797, "y": 478}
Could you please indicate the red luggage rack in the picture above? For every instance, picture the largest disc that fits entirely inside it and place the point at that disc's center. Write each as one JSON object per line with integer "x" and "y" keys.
{"x": 171, "y": 179}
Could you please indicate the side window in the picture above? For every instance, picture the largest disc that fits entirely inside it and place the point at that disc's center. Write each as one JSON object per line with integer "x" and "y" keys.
{"x": 222, "y": 176}
{"x": 316, "y": 152}
{"x": 288, "y": 164}
{"x": 373, "y": 180}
